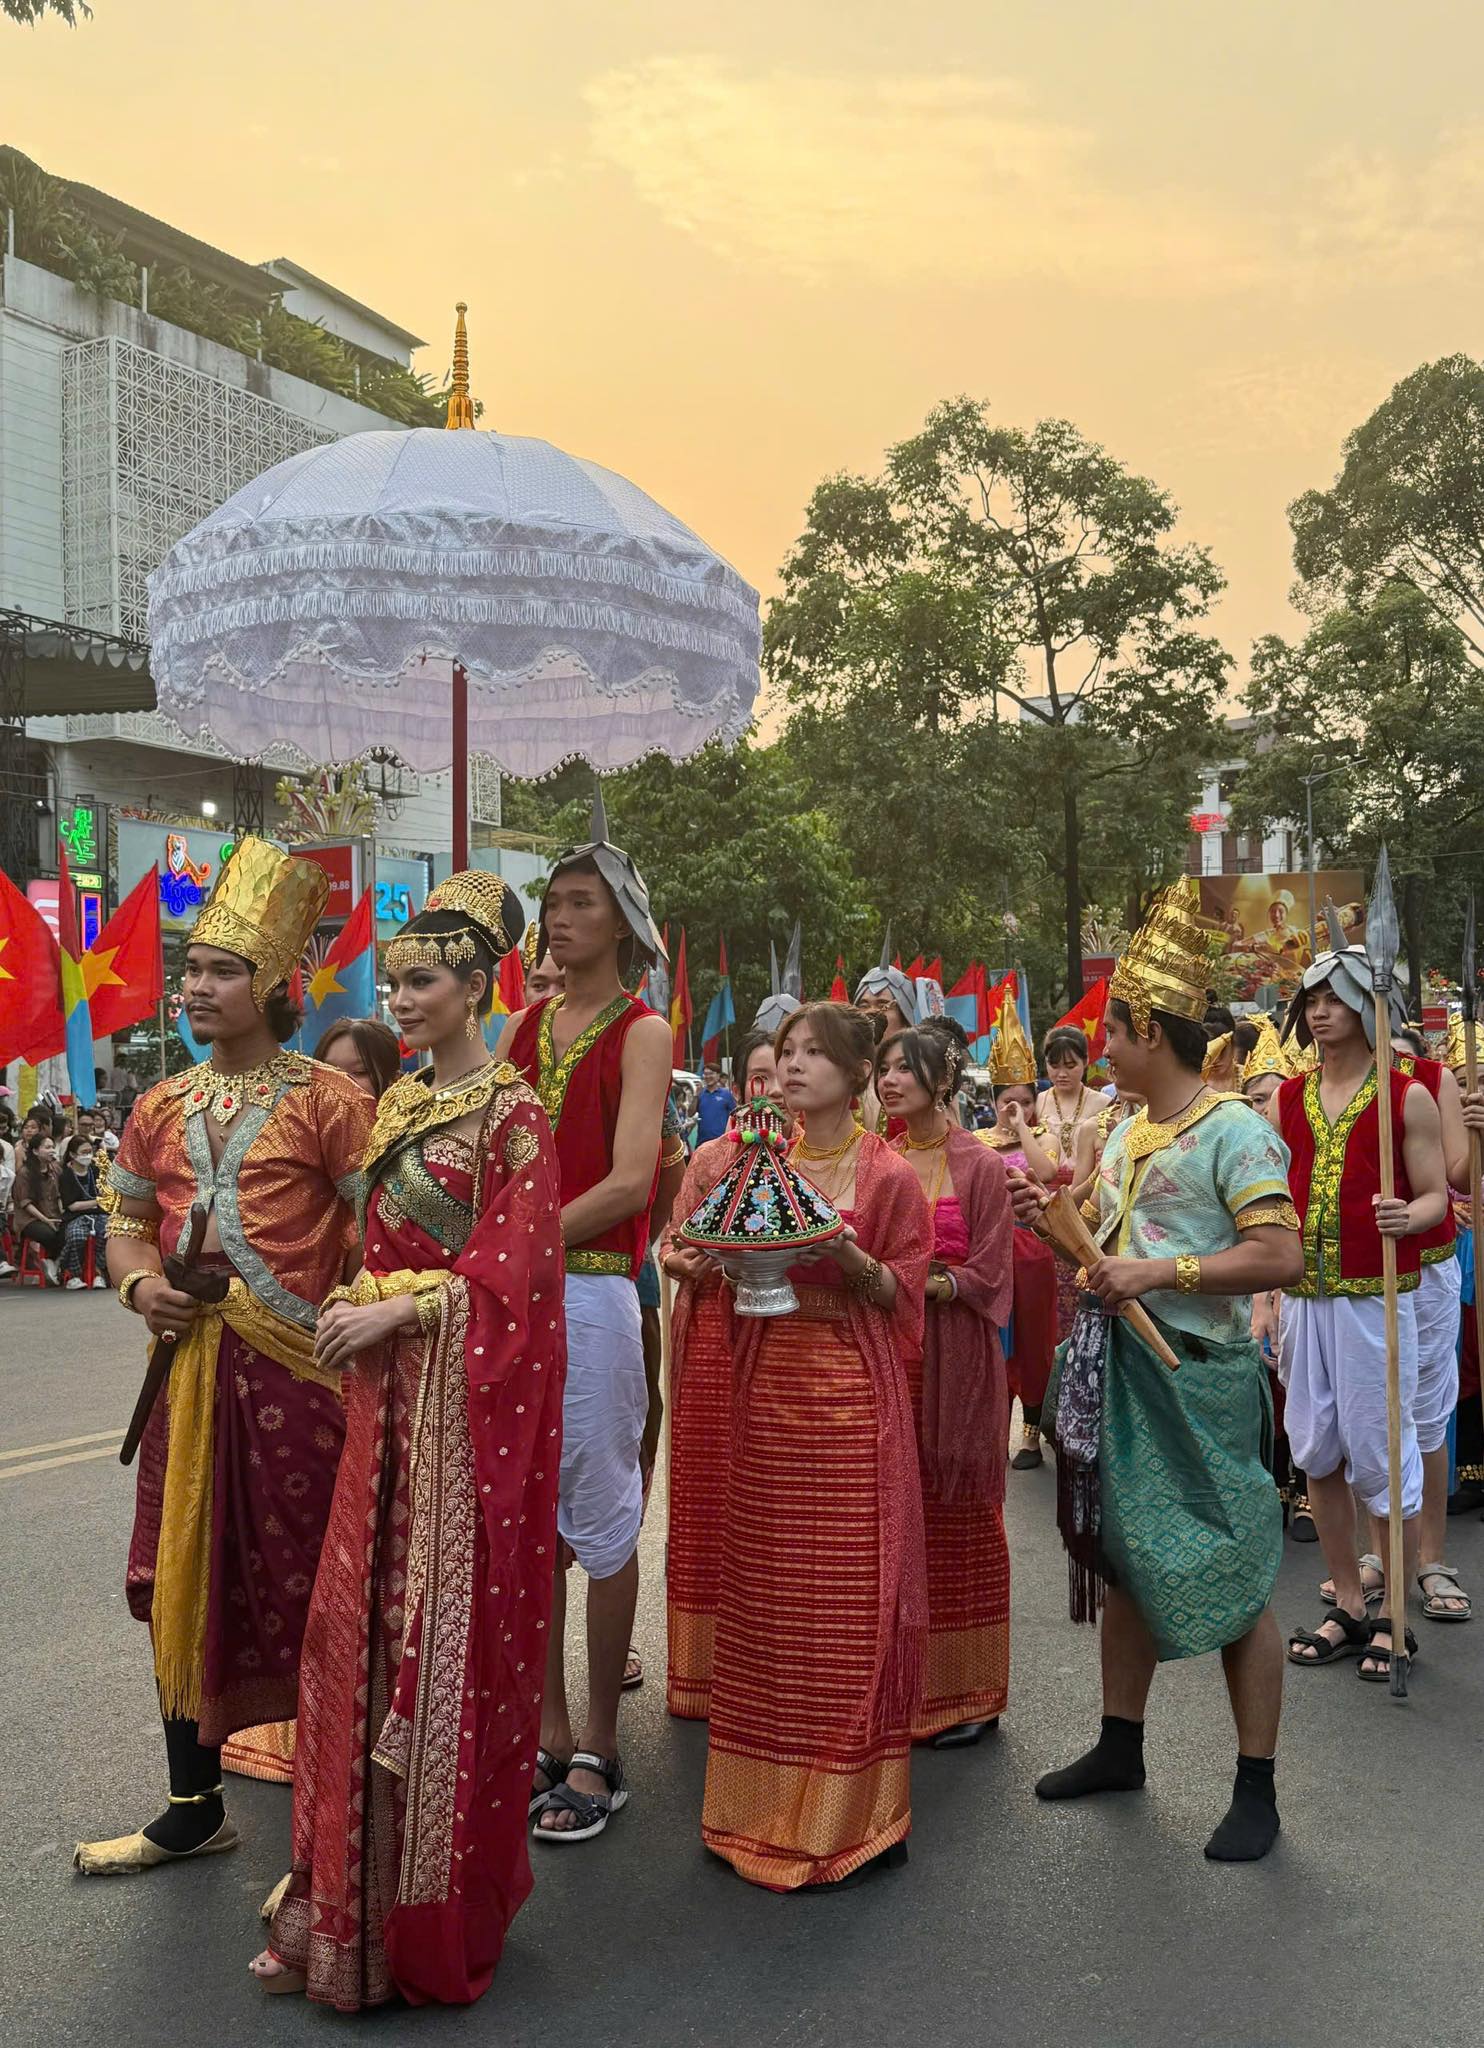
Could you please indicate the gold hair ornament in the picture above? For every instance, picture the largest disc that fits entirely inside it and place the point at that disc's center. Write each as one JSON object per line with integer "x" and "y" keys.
{"x": 453, "y": 949}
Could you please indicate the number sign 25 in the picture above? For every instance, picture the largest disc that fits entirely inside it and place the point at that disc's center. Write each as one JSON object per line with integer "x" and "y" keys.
{"x": 393, "y": 902}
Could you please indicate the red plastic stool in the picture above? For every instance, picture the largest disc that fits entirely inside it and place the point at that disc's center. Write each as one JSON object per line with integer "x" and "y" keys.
{"x": 31, "y": 1263}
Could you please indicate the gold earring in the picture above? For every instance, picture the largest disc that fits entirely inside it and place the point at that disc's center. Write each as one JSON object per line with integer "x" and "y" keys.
{"x": 471, "y": 1027}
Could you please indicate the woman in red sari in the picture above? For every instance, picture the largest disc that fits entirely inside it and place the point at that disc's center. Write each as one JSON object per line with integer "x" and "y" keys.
{"x": 959, "y": 1392}
{"x": 822, "y": 1610}
{"x": 701, "y": 1409}
{"x": 425, "y": 1647}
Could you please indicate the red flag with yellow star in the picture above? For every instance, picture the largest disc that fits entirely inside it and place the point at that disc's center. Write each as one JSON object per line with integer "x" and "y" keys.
{"x": 123, "y": 973}
{"x": 1087, "y": 1017}
{"x": 32, "y": 1027}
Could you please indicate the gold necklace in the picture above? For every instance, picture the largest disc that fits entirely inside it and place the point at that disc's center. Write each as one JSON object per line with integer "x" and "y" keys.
{"x": 461, "y": 1081}
{"x": 220, "y": 1096}
{"x": 804, "y": 1150}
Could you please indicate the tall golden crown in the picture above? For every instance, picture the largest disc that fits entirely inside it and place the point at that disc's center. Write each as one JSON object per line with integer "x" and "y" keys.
{"x": 1166, "y": 965}
{"x": 1012, "y": 1063}
{"x": 481, "y": 897}
{"x": 264, "y": 907}
{"x": 1267, "y": 1056}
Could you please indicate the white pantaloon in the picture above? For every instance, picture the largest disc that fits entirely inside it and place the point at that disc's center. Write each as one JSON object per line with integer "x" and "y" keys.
{"x": 600, "y": 1498}
{"x": 1334, "y": 1370}
{"x": 1437, "y": 1300}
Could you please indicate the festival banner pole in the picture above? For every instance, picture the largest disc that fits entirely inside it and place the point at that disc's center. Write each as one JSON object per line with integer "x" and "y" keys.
{"x": 1383, "y": 942}
{"x": 1470, "y": 991}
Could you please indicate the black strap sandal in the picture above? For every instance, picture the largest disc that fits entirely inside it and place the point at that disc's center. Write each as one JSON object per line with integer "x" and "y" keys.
{"x": 590, "y": 1810}
{"x": 555, "y": 1771}
{"x": 1380, "y": 1660}
{"x": 1354, "y": 1640}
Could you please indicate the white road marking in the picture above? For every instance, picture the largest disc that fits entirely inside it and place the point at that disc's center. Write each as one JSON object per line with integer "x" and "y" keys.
{"x": 50, "y": 1464}
{"x": 65, "y": 1443}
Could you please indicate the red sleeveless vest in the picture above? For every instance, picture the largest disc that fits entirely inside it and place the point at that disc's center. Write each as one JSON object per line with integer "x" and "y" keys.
{"x": 1441, "y": 1242}
{"x": 580, "y": 1094}
{"x": 1333, "y": 1174}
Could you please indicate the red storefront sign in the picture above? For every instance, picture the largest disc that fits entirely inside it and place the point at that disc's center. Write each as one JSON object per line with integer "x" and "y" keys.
{"x": 339, "y": 863}
{"x": 1096, "y": 965}
{"x": 1434, "y": 1018}
{"x": 1208, "y": 821}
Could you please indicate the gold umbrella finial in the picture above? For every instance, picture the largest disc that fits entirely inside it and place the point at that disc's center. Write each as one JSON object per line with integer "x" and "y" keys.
{"x": 460, "y": 404}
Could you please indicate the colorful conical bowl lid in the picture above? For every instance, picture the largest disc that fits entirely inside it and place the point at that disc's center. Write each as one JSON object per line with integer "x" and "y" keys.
{"x": 760, "y": 1204}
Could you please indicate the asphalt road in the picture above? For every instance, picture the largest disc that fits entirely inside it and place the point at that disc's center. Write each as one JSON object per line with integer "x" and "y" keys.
{"x": 1094, "y": 1927}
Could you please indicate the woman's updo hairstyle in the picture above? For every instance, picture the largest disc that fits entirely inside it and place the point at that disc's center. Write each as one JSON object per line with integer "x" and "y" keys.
{"x": 845, "y": 1034}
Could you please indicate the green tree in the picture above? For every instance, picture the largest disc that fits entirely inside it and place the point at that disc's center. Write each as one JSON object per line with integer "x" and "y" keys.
{"x": 732, "y": 845}
{"x": 32, "y": 11}
{"x": 1387, "y": 698}
{"x": 989, "y": 644}
{"x": 1408, "y": 505}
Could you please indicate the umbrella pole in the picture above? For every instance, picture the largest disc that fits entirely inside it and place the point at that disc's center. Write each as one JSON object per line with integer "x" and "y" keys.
{"x": 460, "y": 768}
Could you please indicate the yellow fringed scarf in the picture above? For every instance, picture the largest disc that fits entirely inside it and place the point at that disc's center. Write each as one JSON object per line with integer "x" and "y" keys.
{"x": 183, "y": 1555}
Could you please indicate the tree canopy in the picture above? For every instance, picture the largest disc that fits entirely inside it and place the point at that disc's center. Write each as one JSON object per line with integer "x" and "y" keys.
{"x": 988, "y": 649}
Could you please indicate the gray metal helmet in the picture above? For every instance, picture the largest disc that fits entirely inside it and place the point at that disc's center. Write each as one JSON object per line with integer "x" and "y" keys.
{"x": 1347, "y": 971}
{"x": 623, "y": 879}
{"x": 890, "y": 981}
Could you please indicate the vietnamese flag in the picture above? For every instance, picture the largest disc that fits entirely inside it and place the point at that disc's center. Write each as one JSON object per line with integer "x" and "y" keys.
{"x": 31, "y": 1023}
{"x": 839, "y": 990}
{"x": 919, "y": 966}
{"x": 994, "y": 1002}
{"x": 123, "y": 971}
{"x": 680, "y": 1006}
{"x": 344, "y": 984}
{"x": 1087, "y": 1017}
{"x": 77, "y": 1019}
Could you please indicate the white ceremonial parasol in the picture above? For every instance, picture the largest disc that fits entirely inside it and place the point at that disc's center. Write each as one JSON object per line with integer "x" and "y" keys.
{"x": 436, "y": 593}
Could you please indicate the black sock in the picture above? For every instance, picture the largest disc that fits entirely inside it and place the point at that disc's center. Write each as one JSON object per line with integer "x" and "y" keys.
{"x": 1251, "y": 1824}
{"x": 1031, "y": 1415}
{"x": 194, "y": 1770}
{"x": 1115, "y": 1763}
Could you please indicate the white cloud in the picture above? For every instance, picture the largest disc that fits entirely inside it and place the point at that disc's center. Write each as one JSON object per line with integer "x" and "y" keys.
{"x": 896, "y": 179}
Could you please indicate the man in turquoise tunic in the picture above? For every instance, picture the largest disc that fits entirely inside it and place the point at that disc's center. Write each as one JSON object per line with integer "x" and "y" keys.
{"x": 1165, "y": 1500}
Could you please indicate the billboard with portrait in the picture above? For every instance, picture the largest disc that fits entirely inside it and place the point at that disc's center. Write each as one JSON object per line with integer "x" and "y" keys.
{"x": 1266, "y": 918}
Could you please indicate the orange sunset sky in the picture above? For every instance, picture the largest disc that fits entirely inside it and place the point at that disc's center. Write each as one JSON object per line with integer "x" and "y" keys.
{"x": 727, "y": 250}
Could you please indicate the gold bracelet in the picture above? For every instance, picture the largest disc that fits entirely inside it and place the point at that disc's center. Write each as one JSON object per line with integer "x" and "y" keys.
{"x": 675, "y": 1158}
{"x": 864, "y": 1282}
{"x": 131, "y": 1280}
{"x": 429, "y": 1304}
{"x": 134, "y": 1226}
{"x": 1187, "y": 1274}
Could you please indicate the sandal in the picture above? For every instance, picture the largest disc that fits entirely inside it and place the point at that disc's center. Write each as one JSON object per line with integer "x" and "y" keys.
{"x": 275, "y": 1976}
{"x": 1354, "y": 1639}
{"x": 1373, "y": 1592}
{"x": 1028, "y": 1457}
{"x": 555, "y": 1771}
{"x": 1380, "y": 1660}
{"x": 633, "y": 1671}
{"x": 591, "y": 1810}
{"x": 1448, "y": 1603}
{"x": 1301, "y": 1521}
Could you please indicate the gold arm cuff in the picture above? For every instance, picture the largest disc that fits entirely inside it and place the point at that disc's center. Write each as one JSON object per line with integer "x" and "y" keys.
{"x": 131, "y": 1280}
{"x": 143, "y": 1227}
{"x": 1090, "y": 1211}
{"x": 675, "y": 1156}
{"x": 368, "y": 1287}
{"x": 1187, "y": 1273}
{"x": 1283, "y": 1214}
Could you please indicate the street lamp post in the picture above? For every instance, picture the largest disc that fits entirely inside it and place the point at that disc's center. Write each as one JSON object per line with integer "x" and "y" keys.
{"x": 1309, "y": 782}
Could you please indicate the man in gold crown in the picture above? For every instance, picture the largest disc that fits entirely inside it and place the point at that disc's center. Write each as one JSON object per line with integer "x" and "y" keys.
{"x": 232, "y": 1218}
{"x": 1164, "y": 1501}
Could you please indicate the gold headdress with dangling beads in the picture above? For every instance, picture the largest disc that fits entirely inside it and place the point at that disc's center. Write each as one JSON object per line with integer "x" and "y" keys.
{"x": 481, "y": 897}
{"x": 1012, "y": 1062}
{"x": 1166, "y": 965}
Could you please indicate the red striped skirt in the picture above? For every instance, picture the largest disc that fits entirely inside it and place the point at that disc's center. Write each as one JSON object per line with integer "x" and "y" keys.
{"x": 795, "y": 1794}
{"x": 700, "y": 1447}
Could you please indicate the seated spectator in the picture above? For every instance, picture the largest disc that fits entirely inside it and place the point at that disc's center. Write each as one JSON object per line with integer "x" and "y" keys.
{"x": 82, "y": 1212}
{"x": 37, "y": 1197}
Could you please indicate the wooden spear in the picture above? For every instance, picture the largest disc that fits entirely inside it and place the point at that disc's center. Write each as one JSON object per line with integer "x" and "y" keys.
{"x": 1383, "y": 942}
{"x": 1470, "y": 988}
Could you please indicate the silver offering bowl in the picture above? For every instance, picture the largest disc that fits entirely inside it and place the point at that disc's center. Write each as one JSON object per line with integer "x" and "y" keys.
{"x": 760, "y": 1281}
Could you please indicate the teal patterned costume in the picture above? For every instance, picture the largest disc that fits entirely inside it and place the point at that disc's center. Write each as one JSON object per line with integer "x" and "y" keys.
{"x": 1190, "y": 1519}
